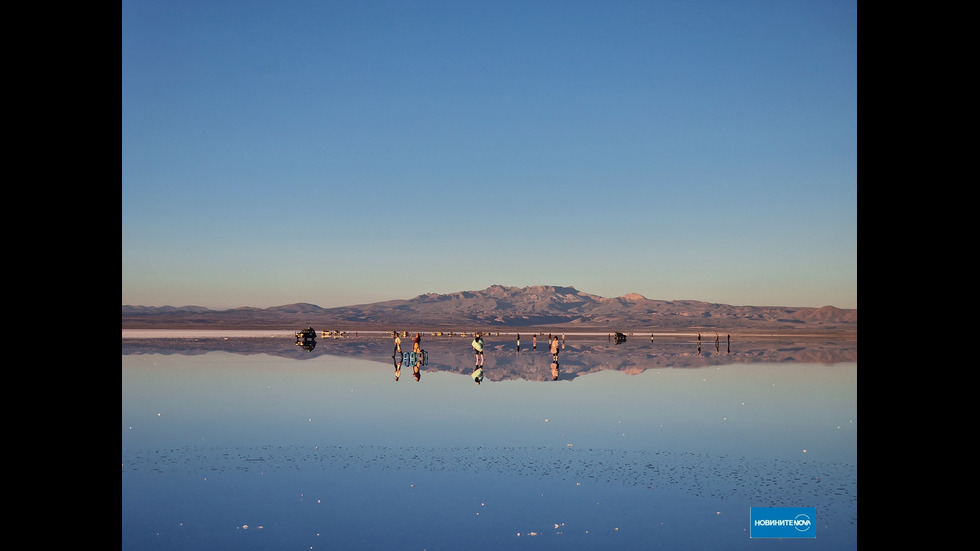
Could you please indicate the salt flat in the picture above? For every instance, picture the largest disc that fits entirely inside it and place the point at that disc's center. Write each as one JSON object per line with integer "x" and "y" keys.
{"x": 203, "y": 333}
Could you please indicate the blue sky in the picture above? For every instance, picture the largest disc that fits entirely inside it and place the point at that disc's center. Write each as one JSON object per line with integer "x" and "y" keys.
{"x": 349, "y": 152}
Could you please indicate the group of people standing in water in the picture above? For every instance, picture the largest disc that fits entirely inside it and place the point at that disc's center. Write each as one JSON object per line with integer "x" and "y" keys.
{"x": 552, "y": 340}
{"x": 729, "y": 338}
{"x": 417, "y": 356}
{"x": 555, "y": 347}
{"x": 477, "y": 345}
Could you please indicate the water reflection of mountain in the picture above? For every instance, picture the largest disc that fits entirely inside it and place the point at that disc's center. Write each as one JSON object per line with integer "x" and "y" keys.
{"x": 581, "y": 354}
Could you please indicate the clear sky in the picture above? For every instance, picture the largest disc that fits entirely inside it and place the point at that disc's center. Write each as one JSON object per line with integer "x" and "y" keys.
{"x": 347, "y": 152}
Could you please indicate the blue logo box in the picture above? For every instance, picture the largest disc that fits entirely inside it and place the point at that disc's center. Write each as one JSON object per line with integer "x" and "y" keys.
{"x": 782, "y": 522}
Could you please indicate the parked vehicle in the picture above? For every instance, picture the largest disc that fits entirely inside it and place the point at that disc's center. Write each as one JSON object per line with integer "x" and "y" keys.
{"x": 306, "y": 338}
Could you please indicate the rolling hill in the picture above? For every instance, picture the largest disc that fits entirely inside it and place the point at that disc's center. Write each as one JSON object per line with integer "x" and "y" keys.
{"x": 502, "y": 307}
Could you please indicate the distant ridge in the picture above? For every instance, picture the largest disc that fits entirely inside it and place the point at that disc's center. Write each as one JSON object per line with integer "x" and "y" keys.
{"x": 500, "y": 307}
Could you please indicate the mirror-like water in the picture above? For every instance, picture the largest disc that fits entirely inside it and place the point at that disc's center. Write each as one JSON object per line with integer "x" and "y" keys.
{"x": 225, "y": 450}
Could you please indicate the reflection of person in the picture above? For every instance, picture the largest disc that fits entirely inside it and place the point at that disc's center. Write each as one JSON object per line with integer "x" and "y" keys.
{"x": 716, "y": 343}
{"x": 417, "y": 343}
{"x": 398, "y": 368}
{"x": 554, "y": 370}
{"x": 477, "y": 345}
{"x": 554, "y": 349}
{"x": 729, "y": 344}
{"x": 699, "y": 344}
{"x": 415, "y": 371}
{"x": 478, "y": 375}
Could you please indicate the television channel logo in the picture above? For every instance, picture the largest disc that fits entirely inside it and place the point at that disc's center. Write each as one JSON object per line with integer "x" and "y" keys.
{"x": 782, "y": 522}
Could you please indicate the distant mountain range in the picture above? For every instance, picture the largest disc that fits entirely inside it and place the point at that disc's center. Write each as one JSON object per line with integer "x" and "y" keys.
{"x": 501, "y": 307}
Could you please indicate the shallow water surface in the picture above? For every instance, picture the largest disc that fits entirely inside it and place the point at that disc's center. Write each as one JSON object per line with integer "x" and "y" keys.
{"x": 224, "y": 450}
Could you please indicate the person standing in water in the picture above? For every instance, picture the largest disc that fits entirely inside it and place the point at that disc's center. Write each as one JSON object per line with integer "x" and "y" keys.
{"x": 417, "y": 343}
{"x": 477, "y": 345}
{"x": 398, "y": 344}
{"x": 554, "y": 349}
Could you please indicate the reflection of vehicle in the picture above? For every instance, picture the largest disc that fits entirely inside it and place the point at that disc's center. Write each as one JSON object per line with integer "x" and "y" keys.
{"x": 306, "y": 338}
{"x": 620, "y": 337}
